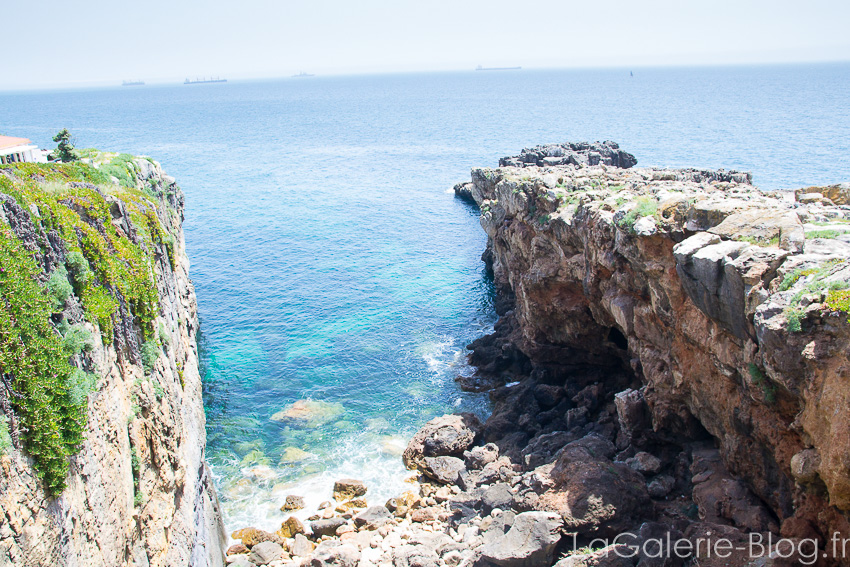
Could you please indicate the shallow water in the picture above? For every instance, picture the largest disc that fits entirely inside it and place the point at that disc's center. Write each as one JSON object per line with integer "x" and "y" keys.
{"x": 332, "y": 262}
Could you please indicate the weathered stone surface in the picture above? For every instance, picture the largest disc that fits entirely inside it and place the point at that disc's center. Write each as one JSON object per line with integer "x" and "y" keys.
{"x": 265, "y": 552}
{"x": 301, "y": 546}
{"x": 373, "y": 517}
{"x": 290, "y": 527}
{"x": 447, "y": 435}
{"x": 443, "y": 469}
{"x": 326, "y": 527}
{"x": 530, "y": 542}
{"x": 333, "y": 554}
{"x": 347, "y": 488}
{"x": 91, "y": 521}
{"x": 292, "y": 503}
{"x": 692, "y": 321}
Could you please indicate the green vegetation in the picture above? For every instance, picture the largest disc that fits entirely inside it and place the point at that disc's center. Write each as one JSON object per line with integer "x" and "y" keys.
{"x": 760, "y": 380}
{"x": 163, "y": 334}
{"x": 65, "y": 148}
{"x": 5, "y": 438}
{"x": 59, "y": 287}
{"x": 137, "y": 475}
{"x": 103, "y": 269}
{"x": 836, "y": 292}
{"x": 76, "y": 339}
{"x": 33, "y": 355}
{"x": 831, "y": 234}
{"x": 644, "y": 207}
{"x": 150, "y": 352}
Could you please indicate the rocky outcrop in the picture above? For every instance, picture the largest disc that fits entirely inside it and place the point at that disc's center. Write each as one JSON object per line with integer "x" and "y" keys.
{"x": 659, "y": 310}
{"x": 578, "y": 154}
{"x": 139, "y": 492}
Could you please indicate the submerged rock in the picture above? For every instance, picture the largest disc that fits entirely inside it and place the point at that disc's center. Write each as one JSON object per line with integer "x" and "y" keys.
{"x": 347, "y": 488}
{"x": 309, "y": 413}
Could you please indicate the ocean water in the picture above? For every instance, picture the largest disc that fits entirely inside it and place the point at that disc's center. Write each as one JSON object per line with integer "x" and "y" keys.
{"x": 333, "y": 264}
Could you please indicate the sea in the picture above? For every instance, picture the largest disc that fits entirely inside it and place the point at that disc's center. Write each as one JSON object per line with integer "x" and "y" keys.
{"x": 335, "y": 269}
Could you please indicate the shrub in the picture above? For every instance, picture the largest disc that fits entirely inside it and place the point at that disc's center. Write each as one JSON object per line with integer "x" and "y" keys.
{"x": 77, "y": 339}
{"x": 52, "y": 422}
{"x": 644, "y": 207}
{"x": 79, "y": 268}
{"x": 59, "y": 287}
{"x": 838, "y": 300}
{"x": 760, "y": 380}
{"x": 80, "y": 385}
{"x": 163, "y": 334}
{"x": 150, "y": 352}
{"x": 5, "y": 438}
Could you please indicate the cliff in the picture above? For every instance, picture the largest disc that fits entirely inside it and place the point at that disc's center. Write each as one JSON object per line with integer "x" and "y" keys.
{"x": 101, "y": 419}
{"x": 697, "y": 310}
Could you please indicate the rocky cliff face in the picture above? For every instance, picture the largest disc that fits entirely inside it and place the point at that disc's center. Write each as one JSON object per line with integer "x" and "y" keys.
{"x": 671, "y": 312}
{"x": 122, "y": 310}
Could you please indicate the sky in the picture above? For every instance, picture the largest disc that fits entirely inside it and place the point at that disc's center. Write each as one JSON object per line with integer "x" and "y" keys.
{"x": 102, "y": 42}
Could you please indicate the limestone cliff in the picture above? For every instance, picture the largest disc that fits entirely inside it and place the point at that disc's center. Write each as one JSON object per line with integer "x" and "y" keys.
{"x": 693, "y": 304}
{"x": 99, "y": 246}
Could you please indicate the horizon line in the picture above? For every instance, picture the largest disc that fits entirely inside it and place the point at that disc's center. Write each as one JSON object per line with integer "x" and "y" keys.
{"x": 172, "y": 81}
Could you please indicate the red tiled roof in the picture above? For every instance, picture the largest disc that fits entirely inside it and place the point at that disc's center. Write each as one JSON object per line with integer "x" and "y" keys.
{"x": 8, "y": 142}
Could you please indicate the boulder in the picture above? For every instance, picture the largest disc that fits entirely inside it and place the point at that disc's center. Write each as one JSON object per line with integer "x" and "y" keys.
{"x": 595, "y": 496}
{"x": 479, "y": 457}
{"x": 347, "y": 488}
{"x": 301, "y": 547}
{"x": 530, "y": 542}
{"x": 292, "y": 503}
{"x": 326, "y": 527}
{"x": 447, "y": 435}
{"x": 373, "y": 518}
{"x": 645, "y": 463}
{"x": 265, "y": 552}
{"x": 499, "y": 496}
{"x": 236, "y": 549}
{"x": 443, "y": 469}
{"x": 415, "y": 556}
{"x": 617, "y": 555}
{"x": 332, "y": 553}
{"x": 290, "y": 527}
{"x": 309, "y": 413}
{"x": 252, "y": 536}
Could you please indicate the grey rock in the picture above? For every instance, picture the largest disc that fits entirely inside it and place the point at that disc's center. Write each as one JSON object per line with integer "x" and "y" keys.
{"x": 240, "y": 560}
{"x": 332, "y": 553}
{"x": 575, "y": 153}
{"x": 373, "y": 517}
{"x": 447, "y": 435}
{"x": 661, "y": 486}
{"x": 497, "y": 496}
{"x": 415, "y": 556}
{"x": 645, "y": 463}
{"x": 479, "y": 457}
{"x": 326, "y": 527}
{"x": 617, "y": 555}
{"x": 530, "y": 542}
{"x": 265, "y": 552}
{"x": 302, "y": 547}
{"x": 443, "y": 469}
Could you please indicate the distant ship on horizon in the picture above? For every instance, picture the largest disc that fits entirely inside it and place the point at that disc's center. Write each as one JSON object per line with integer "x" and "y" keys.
{"x": 132, "y": 83}
{"x": 480, "y": 68}
{"x": 303, "y": 74}
{"x": 204, "y": 80}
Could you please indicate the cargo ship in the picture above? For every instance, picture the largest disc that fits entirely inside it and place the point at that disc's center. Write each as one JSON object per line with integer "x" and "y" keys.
{"x": 204, "y": 80}
{"x": 132, "y": 83}
{"x": 302, "y": 74}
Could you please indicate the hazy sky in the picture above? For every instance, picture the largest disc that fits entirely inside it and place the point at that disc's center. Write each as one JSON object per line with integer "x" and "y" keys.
{"x": 66, "y": 43}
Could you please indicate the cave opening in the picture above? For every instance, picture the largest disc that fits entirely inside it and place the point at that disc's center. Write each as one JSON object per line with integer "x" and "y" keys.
{"x": 618, "y": 338}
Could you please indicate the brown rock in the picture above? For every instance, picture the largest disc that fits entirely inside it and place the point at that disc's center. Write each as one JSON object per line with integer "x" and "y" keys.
{"x": 236, "y": 549}
{"x": 447, "y": 435}
{"x": 290, "y": 527}
{"x": 346, "y": 489}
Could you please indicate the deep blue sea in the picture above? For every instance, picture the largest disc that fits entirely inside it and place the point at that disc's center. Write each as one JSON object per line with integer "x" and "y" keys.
{"x": 333, "y": 264}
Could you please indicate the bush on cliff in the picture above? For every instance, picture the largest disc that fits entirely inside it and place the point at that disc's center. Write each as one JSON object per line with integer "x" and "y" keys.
{"x": 104, "y": 268}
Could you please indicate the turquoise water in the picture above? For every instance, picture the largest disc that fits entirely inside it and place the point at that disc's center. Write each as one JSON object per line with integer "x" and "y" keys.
{"x": 333, "y": 264}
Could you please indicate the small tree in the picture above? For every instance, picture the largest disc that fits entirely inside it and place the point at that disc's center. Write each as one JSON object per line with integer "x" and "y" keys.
{"x": 65, "y": 148}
